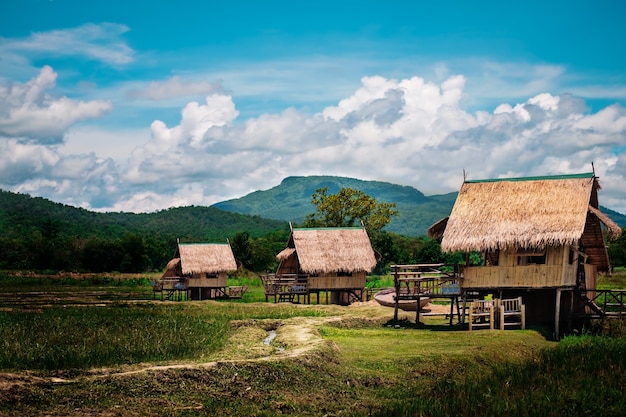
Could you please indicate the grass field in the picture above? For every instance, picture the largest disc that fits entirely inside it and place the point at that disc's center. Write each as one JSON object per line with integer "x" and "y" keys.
{"x": 102, "y": 346}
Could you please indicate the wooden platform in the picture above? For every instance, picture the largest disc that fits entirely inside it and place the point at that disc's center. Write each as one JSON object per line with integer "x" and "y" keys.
{"x": 417, "y": 281}
{"x": 178, "y": 288}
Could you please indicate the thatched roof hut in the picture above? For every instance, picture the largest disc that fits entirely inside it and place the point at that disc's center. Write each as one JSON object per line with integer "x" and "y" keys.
{"x": 328, "y": 250}
{"x": 198, "y": 258}
{"x": 527, "y": 213}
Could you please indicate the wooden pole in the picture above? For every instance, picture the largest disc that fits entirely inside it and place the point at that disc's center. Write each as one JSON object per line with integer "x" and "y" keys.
{"x": 557, "y": 313}
{"x": 397, "y": 288}
{"x": 418, "y": 309}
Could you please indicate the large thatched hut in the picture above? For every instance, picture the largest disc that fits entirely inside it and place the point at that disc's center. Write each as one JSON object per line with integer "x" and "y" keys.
{"x": 202, "y": 269}
{"x": 540, "y": 237}
{"x": 334, "y": 260}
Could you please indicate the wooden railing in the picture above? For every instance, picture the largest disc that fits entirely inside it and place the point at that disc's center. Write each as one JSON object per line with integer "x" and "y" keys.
{"x": 285, "y": 286}
{"x": 425, "y": 279}
{"x": 606, "y": 302}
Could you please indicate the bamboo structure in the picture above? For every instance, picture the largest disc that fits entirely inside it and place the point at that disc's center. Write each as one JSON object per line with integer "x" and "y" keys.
{"x": 541, "y": 239}
{"x": 200, "y": 270}
{"x": 331, "y": 260}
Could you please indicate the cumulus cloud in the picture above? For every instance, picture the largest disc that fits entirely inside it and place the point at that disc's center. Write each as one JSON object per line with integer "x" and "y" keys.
{"x": 408, "y": 131}
{"x": 29, "y": 112}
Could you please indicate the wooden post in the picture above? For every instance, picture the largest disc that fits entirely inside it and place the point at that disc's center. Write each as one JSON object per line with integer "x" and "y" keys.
{"x": 571, "y": 310}
{"x": 418, "y": 309}
{"x": 557, "y": 314}
{"x": 464, "y": 301}
{"x": 397, "y": 288}
{"x": 452, "y": 308}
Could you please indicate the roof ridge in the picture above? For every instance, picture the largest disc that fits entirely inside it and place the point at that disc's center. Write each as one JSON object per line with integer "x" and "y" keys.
{"x": 537, "y": 178}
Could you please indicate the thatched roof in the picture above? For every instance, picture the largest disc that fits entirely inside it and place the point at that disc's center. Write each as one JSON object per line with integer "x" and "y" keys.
{"x": 327, "y": 250}
{"x": 205, "y": 257}
{"x": 520, "y": 213}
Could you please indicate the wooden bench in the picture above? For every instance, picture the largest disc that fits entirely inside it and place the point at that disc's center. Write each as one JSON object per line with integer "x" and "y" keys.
{"x": 512, "y": 308}
{"x": 236, "y": 291}
{"x": 482, "y": 313}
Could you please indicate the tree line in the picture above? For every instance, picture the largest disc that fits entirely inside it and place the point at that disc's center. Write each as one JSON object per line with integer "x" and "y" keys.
{"x": 45, "y": 242}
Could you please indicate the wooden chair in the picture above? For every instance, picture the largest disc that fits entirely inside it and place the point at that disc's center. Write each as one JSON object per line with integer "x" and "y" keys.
{"x": 512, "y": 309}
{"x": 482, "y": 314}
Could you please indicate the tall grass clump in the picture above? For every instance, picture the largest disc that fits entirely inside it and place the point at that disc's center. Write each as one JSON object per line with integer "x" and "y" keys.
{"x": 379, "y": 281}
{"x": 581, "y": 376}
{"x": 78, "y": 337}
{"x": 83, "y": 337}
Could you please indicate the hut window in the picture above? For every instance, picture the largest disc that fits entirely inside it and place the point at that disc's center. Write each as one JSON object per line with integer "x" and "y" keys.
{"x": 571, "y": 256}
{"x": 344, "y": 274}
{"x": 532, "y": 256}
{"x": 210, "y": 276}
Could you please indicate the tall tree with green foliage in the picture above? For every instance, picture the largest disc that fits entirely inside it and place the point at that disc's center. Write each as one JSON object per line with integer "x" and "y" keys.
{"x": 348, "y": 207}
{"x": 617, "y": 251}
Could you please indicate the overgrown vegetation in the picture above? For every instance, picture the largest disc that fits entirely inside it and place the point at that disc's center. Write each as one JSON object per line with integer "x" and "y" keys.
{"x": 362, "y": 367}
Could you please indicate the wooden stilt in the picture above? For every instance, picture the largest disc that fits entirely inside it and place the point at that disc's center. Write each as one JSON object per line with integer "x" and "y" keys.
{"x": 557, "y": 314}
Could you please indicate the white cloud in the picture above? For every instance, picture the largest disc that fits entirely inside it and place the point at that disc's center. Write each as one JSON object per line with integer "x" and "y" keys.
{"x": 29, "y": 112}
{"x": 408, "y": 131}
{"x": 100, "y": 42}
{"x": 19, "y": 162}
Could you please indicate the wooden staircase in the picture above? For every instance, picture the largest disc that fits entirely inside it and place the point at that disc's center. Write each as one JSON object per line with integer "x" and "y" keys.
{"x": 604, "y": 303}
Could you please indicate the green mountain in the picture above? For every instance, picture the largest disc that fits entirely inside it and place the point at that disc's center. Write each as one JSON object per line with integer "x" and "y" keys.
{"x": 291, "y": 201}
{"x": 618, "y": 218}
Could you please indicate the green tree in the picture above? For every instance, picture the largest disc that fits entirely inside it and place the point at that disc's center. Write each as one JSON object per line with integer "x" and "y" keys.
{"x": 617, "y": 251}
{"x": 242, "y": 249}
{"x": 347, "y": 207}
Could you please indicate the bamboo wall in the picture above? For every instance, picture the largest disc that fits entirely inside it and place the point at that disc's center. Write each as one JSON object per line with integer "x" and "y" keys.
{"x": 201, "y": 281}
{"x": 525, "y": 276}
{"x": 331, "y": 282}
{"x": 556, "y": 272}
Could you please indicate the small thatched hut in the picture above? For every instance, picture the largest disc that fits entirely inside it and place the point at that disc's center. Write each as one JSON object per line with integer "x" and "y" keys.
{"x": 202, "y": 268}
{"x": 540, "y": 237}
{"x": 330, "y": 259}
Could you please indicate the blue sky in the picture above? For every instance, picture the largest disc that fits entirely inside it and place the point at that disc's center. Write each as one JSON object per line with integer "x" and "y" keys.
{"x": 139, "y": 106}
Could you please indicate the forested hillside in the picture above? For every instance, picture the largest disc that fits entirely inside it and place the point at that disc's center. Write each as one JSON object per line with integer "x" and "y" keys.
{"x": 291, "y": 201}
{"x": 36, "y": 233}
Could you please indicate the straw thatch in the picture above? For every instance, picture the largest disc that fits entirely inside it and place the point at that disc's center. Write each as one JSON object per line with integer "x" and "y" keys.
{"x": 208, "y": 258}
{"x": 520, "y": 213}
{"x": 328, "y": 250}
{"x": 612, "y": 229}
{"x": 172, "y": 269}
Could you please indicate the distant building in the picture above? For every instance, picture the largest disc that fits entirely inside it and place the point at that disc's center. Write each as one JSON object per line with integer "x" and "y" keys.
{"x": 201, "y": 269}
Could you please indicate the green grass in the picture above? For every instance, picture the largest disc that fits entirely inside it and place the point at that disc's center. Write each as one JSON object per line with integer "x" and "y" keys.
{"x": 121, "y": 334}
{"x": 377, "y": 281}
{"x": 363, "y": 366}
{"x": 617, "y": 280}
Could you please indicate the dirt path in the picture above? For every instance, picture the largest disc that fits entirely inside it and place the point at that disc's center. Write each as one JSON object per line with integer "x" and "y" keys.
{"x": 296, "y": 337}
